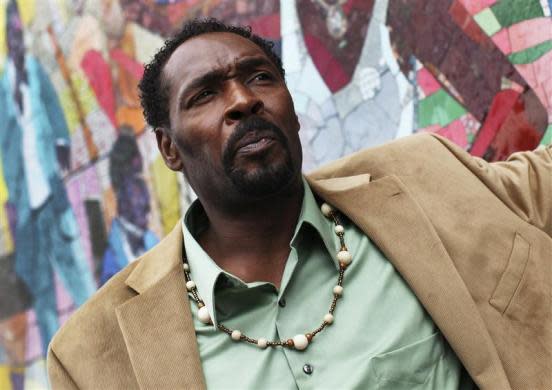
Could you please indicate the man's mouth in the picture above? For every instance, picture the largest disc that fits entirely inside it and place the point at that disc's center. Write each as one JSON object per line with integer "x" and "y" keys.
{"x": 254, "y": 144}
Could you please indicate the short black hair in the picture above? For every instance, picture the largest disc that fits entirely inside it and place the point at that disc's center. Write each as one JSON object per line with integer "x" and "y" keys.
{"x": 153, "y": 91}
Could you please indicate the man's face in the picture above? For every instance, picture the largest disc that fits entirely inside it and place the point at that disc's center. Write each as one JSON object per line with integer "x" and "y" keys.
{"x": 233, "y": 124}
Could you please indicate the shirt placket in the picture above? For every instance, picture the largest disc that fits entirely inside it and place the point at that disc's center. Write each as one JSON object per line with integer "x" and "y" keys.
{"x": 302, "y": 364}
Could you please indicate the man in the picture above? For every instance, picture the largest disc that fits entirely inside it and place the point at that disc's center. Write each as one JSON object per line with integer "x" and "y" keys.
{"x": 435, "y": 266}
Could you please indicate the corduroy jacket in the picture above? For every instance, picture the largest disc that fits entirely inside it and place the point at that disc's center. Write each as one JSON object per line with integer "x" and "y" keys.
{"x": 472, "y": 239}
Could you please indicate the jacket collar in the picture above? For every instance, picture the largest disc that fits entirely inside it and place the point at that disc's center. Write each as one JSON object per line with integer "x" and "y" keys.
{"x": 157, "y": 325}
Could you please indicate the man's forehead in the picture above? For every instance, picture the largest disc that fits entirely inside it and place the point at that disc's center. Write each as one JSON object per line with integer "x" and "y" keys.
{"x": 208, "y": 52}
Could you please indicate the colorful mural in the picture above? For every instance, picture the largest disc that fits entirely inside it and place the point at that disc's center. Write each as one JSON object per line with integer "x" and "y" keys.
{"x": 83, "y": 190}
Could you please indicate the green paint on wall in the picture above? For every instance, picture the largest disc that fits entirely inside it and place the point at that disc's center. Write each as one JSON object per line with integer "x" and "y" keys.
{"x": 488, "y": 22}
{"x": 547, "y": 139}
{"x": 439, "y": 108}
{"x": 531, "y": 54}
{"x": 509, "y": 12}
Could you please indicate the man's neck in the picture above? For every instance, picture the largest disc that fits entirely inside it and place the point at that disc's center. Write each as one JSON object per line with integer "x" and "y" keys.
{"x": 254, "y": 244}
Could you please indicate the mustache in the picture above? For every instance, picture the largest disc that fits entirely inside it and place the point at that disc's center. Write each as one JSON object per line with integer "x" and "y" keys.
{"x": 253, "y": 123}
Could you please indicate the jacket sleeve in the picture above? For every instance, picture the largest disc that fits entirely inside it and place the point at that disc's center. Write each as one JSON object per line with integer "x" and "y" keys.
{"x": 523, "y": 182}
{"x": 57, "y": 374}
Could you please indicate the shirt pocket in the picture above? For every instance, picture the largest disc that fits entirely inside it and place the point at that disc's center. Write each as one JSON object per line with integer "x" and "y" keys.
{"x": 512, "y": 275}
{"x": 409, "y": 367}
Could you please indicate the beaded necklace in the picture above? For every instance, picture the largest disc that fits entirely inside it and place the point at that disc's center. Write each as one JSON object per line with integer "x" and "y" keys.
{"x": 300, "y": 341}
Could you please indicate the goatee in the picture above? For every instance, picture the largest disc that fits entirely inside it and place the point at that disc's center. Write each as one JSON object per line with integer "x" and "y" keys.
{"x": 268, "y": 179}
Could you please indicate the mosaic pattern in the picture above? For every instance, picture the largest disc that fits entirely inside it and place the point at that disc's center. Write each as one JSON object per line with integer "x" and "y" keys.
{"x": 439, "y": 66}
{"x": 80, "y": 172}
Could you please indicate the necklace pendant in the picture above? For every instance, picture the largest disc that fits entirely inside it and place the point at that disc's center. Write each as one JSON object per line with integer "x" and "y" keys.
{"x": 300, "y": 342}
{"x": 203, "y": 315}
{"x": 336, "y": 21}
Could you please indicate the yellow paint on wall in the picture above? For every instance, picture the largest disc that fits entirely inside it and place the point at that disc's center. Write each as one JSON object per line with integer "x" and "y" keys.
{"x": 26, "y": 10}
{"x": 3, "y": 44}
{"x": 166, "y": 189}
{"x": 3, "y": 188}
{"x": 69, "y": 108}
{"x": 6, "y": 240}
{"x": 86, "y": 98}
{"x": 84, "y": 92}
{"x": 5, "y": 382}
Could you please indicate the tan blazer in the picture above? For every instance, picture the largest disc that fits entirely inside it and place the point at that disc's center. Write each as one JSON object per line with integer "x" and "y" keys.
{"x": 472, "y": 239}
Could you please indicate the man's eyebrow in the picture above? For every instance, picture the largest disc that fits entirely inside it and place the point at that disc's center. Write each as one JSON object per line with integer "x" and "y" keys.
{"x": 208, "y": 78}
{"x": 253, "y": 62}
{"x": 216, "y": 75}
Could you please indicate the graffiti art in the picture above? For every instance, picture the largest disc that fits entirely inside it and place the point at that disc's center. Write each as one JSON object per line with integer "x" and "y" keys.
{"x": 83, "y": 190}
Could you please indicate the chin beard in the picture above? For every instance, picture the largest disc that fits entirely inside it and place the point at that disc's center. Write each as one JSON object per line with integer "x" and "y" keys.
{"x": 263, "y": 181}
{"x": 266, "y": 179}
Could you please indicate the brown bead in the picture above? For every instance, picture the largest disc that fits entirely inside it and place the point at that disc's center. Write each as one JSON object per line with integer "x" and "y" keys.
{"x": 200, "y": 304}
{"x": 289, "y": 343}
{"x": 309, "y": 336}
{"x": 342, "y": 265}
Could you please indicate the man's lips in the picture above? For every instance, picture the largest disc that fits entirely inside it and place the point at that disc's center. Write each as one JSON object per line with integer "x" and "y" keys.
{"x": 251, "y": 143}
{"x": 256, "y": 146}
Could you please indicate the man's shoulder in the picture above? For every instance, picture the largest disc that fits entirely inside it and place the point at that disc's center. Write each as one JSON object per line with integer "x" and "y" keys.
{"x": 95, "y": 322}
{"x": 395, "y": 157}
{"x": 96, "y": 318}
{"x": 90, "y": 350}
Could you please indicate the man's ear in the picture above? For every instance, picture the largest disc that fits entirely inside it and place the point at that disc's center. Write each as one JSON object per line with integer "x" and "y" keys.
{"x": 169, "y": 151}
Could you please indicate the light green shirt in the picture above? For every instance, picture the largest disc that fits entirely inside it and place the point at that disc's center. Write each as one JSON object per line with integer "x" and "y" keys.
{"x": 381, "y": 337}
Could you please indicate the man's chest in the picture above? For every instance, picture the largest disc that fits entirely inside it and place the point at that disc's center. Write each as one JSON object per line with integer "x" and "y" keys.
{"x": 381, "y": 335}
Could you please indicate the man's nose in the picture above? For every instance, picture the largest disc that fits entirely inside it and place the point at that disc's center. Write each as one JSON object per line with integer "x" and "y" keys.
{"x": 242, "y": 103}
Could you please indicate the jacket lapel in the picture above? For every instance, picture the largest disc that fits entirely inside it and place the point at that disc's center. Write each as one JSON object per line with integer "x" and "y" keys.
{"x": 157, "y": 323}
{"x": 393, "y": 220}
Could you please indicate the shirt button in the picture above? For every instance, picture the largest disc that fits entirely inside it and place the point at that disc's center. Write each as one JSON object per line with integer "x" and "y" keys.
{"x": 308, "y": 369}
{"x": 282, "y": 302}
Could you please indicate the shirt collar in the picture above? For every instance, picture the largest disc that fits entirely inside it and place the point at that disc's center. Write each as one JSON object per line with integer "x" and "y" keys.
{"x": 312, "y": 215}
{"x": 206, "y": 273}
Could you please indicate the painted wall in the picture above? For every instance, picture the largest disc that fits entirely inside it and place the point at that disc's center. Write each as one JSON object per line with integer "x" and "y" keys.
{"x": 82, "y": 187}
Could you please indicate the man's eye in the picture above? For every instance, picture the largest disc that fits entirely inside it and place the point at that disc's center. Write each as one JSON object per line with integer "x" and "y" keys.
{"x": 203, "y": 95}
{"x": 262, "y": 77}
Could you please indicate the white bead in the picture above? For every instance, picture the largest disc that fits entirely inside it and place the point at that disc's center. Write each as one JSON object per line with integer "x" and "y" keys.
{"x": 262, "y": 343}
{"x": 338, "y": 290}
{"x": 326, "y": 209}
{"x": 203, "y": 315}
{"x": 190, "y": 285}
{"x": 186, "y": 267}
{"x": 300, "y": 342}
{"x": 339, "y": 229}
{"x": 329, "y": 318}
{"x": 345, "y": 257}
{"x": 236, "y": 335}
